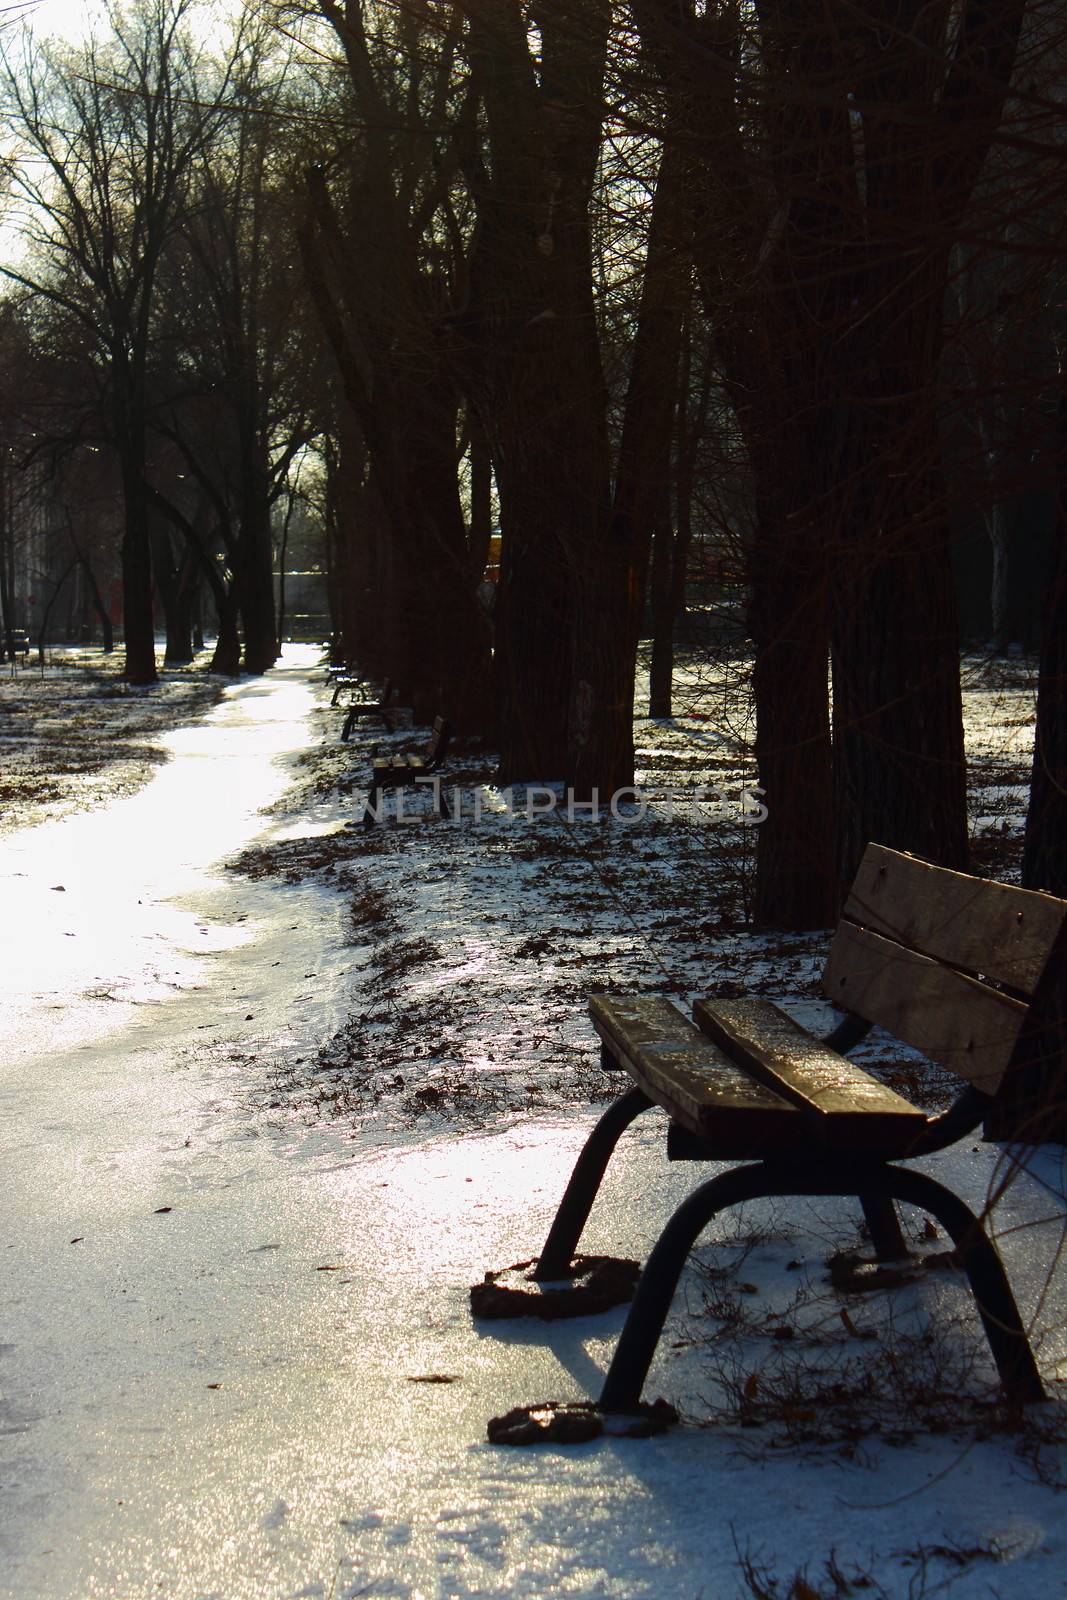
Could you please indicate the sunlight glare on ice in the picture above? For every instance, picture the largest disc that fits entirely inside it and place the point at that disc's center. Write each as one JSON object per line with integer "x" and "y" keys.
{"x": 98, "y": 897}
{"x": 465, "y": 1181}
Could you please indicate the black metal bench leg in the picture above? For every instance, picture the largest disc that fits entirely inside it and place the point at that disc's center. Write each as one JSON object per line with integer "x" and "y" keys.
{"x": 581, "y": 1191}
{"x": 987, "y": 1278}
{"x": 370, "y": 808}
{"x": 883, "y": 1224}
{"x": 648, "y": 1312}
{"x": 989, "y": 1284}
{"x": 346, "y": 731}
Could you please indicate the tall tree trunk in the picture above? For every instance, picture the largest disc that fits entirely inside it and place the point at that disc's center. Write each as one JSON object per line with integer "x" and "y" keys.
{"x": 173, "y": 594}
{"x": 42, "y": 632}
{"x": 661, "y": 669}
{"x": 672, "y": 549}
{"x": 1045, "y": 852}
{"x": 452, "y": 651}
{"x": 200, "y": 533}
{"x": 227, "y": 655}
{"x": 1032, "y": 1104}
{"x": 538, "y": 382}
{"x": 789, "y": 622}
{"x": 255, "y": 555}
{"x": 106, "y": 631}
{"x": 533, "y": 619}
{"x": 283, "y": 554}
{"x": 95, "y": 597}
{"x": 900, "y": 773}
{"x": 7, "y": 620}
{"x": 137, "y": 611}
{"x": 822, "y": 240}
{"x": 434, "y": 641}
{"x": 617, "y": 565}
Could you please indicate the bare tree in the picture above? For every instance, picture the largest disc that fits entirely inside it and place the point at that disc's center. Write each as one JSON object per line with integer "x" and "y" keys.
{"x": 383, "y": 258}
{"x": 107, "y": 135}
{"x": 233, "y": 332}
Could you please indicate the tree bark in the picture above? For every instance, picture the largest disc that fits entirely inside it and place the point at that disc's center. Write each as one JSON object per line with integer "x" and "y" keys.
{"x": 670, "y": 563}
{"x": 434, "y": 639}
{"x": 608, "y": 623}
{"x": 137, "y": 610}
{"x": 535, "y": 375}
{"x": 227, "y": 654}
{"x": 255, "y": 556}
{"x": 1045, "y": 851}
{"x": 823, "y": 249}
{"x": 661, "y": 669}
{"x": 1032, "y": 1104}
{"x": 172, "y": 586}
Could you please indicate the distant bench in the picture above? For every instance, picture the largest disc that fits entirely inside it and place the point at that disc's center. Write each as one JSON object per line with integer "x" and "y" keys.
{"x": 402, "y": 770}
{"x": 363, "y": 708}
{"x": 950, "y": 965}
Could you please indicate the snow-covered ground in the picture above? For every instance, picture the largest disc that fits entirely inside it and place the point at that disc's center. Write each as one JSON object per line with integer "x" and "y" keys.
{"x": 218, "y": 1301}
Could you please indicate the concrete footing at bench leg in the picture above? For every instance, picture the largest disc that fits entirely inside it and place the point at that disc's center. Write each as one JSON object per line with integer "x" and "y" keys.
{"x": 584, "y": 1183}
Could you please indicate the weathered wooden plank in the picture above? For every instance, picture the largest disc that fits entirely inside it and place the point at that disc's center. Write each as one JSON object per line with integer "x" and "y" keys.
{"x": 967, "y": 1026}
{"x": 681, "y": 1070}
{"x": 788, "y": 1059}
{"x": 992, "y": 929}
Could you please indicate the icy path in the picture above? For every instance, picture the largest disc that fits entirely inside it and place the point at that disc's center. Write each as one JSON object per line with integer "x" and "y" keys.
{"x": 192, "y": 1406}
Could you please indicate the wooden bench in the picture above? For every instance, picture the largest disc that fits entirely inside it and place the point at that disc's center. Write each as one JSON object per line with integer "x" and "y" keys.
{"x": 346, "y": 678}
{"x": 947, "y": 963}
{"x": 342, "y": 679}
{"x": 402, "y": 770}
{"x": 364, "y": 708}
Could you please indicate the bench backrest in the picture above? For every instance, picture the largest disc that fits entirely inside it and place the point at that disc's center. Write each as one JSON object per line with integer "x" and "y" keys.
{"x": 946, "y": 962}
{"x": 438, "y": 745}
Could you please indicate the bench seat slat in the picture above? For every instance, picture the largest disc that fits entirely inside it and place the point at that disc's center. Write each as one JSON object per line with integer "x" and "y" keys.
{"x": 967, "y": 1026}
{"x": 1006, "y": 934}
{"x": 790, "y": 1060}
{"x": 682, "y": 1071}
{"x": 403, "y": 764}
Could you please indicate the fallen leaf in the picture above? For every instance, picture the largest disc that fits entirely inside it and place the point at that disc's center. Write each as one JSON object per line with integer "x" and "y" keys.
{"x": 160, "y": 1210}
{"x": 432, "y": 1377}
{"x": 79, "y": 1239}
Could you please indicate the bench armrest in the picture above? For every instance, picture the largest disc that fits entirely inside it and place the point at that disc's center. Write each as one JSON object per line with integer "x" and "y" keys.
{"x": 969, "y": 1108}
{"x": 850, "y": 1032}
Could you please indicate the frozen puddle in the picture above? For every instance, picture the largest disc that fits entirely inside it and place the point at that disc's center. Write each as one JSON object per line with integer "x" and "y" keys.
{"x": 213, "y": 1329}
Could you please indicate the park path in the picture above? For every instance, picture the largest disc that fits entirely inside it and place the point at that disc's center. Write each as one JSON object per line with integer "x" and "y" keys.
{"x": 210, "y": 1321}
